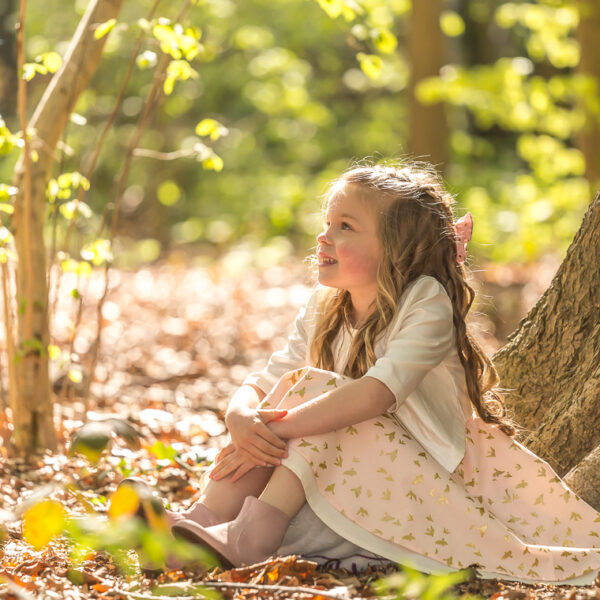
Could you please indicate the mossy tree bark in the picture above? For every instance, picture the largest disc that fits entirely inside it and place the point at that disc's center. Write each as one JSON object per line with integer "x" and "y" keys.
{"x": 32, "y": 408}
{"x": 551, "y": 364}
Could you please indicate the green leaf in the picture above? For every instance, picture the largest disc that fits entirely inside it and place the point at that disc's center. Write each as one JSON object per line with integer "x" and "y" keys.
{"x": 92, "y": 440}
{"x": 177, "y": 70}
{"x": 54, "y": 352}
{"x": 126, "y": 431}
{"x": 51, "y": 60}
{"x": 167, "y": 37}
{"x": 371, "y": 64}
{"x": 333, "y": 8}
{"x": 95, "y": 437}
{"x": 98, "y": 252}
{"x": 146, "y": 60}
{"x": 385, "y": 40}
{"x": 8, "y": 141}
{"x": 6, "y": 254}
{"x": 5, "y": 235}
{"x": 7, "y": 191}
{"x": 78, "y": 267}
{"x": 75, "y": 375}
{"x": 213, "y": 163}
{"x": 162, "y": 452}
{"x": 212, "y": 128}
{"x": 71, "y": 209}
{"x": 30, "y": 69}
{"x": 452, "y": 23}
{"x": 104, "y": 28}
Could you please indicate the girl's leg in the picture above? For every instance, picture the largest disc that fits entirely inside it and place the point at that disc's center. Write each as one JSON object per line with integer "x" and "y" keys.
{"x": 225, "y": 498}
{"x": 284, "y": 491}
{"x": 258, "y": 529}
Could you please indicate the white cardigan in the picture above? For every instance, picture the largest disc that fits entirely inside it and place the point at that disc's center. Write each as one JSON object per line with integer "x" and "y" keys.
{"x": 416, "y": 359}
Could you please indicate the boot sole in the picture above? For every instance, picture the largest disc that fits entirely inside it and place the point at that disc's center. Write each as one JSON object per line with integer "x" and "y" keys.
{"x": 195, "y": 539}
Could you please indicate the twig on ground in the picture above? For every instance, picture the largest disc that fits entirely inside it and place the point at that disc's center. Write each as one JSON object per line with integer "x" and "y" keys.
{"x": 239, "y": 586}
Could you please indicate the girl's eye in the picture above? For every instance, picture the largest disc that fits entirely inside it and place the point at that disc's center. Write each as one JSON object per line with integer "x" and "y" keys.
{"x": 343, "y": 225}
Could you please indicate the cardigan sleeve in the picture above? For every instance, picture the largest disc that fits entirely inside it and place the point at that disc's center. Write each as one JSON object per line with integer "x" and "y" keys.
{"x": 423, "y": 337}
{"x": 294, "y": 355}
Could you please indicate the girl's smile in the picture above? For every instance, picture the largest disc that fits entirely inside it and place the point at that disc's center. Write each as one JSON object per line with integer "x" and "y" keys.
{"x": 348, "y": 249}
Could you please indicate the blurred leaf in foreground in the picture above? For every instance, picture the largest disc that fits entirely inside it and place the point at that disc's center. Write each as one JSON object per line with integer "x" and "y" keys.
{"x": 42, "y": 522}
{"x": 97, "y": 436}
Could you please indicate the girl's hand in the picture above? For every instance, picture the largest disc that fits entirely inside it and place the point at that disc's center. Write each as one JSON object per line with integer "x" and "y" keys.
{"x": 230, "y": 462}
{"x": 253, "y": 439}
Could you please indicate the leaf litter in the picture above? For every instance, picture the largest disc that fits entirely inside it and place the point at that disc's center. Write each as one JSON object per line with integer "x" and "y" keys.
{"x": 176, "y": 342}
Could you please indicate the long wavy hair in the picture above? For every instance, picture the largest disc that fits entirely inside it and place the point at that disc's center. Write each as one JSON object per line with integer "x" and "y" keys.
{"x": 417, "y": 237}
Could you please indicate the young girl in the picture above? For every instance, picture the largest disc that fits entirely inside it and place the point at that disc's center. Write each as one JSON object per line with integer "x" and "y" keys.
{"x": 380, "y": 417}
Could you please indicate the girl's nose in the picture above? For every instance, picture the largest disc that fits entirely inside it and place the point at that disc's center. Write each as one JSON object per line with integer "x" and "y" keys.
{"x": 322, "y": 238}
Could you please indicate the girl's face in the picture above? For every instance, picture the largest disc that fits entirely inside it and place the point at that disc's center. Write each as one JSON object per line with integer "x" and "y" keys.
{"x": 349, "y": 249}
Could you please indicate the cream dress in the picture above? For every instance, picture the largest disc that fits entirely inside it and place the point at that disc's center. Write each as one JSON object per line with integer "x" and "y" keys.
{"x": 503, "y": 509}
{"x": 380, "y": 489}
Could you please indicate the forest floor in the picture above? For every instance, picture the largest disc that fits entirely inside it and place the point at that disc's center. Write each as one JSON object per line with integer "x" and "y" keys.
{"x": 176, "y": 342}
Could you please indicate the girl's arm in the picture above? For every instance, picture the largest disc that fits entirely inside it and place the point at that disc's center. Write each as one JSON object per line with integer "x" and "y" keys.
{"x": 247, "y": 425}
{"x": 245, "y": 398}
{"x": 357, "y": 401}
{"x": 354, "y": 402}
{"x": 424, "y": 339}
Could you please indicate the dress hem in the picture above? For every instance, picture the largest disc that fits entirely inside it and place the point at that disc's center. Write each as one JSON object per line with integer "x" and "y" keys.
{"x": 356, "y": 534}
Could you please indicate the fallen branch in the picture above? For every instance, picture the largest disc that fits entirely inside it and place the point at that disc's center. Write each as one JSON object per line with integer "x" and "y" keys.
{"x": 238, "y": 586}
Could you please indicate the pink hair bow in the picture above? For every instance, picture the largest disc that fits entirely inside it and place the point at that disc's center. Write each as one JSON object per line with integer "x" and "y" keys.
{"x": 464, "y": 229}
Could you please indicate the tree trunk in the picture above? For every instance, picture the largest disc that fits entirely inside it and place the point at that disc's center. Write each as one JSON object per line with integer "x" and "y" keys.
{"x": 428, "y": 133}
{"x": 32, "y": 413}
{"x": 551, "y": 363}
{"x": 8, "y": 63}
{"x": 588, "y": 36}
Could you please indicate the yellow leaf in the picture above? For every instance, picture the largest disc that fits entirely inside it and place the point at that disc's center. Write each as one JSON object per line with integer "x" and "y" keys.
{"x": 370, "y": 64}
{"x": 104, "y": 28}
{"x": 168, "y": 85}
{"x": 42, "y": 522}
{"x": 214, "y": 163}
{"x": 52, "y": 61}
{"x": 333, "y": 8}
{"x": 123, "y": 503}
{"x": 210, "y": 127}
{"x": 385, "y": 41}
{"x": 54, "y": 352}
{"x": 75, "y": 375}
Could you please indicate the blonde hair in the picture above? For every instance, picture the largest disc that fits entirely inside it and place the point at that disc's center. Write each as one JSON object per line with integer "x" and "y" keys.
{"x": 417, "y": 237}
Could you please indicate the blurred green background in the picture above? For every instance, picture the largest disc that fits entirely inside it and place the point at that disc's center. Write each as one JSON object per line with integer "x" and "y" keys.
{"x": 303, "y": 87}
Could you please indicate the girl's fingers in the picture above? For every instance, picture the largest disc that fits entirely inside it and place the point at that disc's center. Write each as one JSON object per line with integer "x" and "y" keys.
{"x": 268, "y": 415}
{"x": 224, "y": 467}
{"x": 268, "y": 450}
{"x": 224, "y": 452}
{"x": 237, "y": 465}
{"x": 269, "y": 436}
{"x": 240, "y": 472}
{"x": 255, "y": 457}
{"x": 220, "y": 473}
{"x": 264, "y": 458}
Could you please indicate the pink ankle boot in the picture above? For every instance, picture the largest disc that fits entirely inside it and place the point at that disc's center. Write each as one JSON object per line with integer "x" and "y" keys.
{"x": 198, "y": 512}
{"x": 250, "y": 538}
